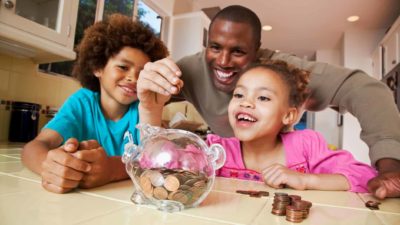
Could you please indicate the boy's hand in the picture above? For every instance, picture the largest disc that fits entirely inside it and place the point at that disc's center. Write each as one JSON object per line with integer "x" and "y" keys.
{"x": 277, "y": 176}
{"x": 101, "y": 171}
{"x": 157, "y": 82}
{"x": 61, "y": 172}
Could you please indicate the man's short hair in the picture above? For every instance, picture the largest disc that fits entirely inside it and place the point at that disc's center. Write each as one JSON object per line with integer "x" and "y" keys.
{"x": 240, "y": 14}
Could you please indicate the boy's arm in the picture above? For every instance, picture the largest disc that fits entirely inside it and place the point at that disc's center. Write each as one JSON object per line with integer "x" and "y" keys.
{"x": 156, "y": 83}
{"x": 60, "y": 171}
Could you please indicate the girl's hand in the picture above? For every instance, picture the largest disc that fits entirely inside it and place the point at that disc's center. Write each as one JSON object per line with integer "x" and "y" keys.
{"x": 60, "y": 171}
{"x": 277, "y": 176}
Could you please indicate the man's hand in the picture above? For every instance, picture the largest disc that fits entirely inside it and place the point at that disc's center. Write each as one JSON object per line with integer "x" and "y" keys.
{"x": 387, "y": 183}
{"x": 61, "y": 172}
{"x": 277, "y": 176}
{"x": 157, "y": 82}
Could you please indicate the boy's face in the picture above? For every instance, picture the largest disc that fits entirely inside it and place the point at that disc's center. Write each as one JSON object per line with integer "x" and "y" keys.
{"x": 118, "y": 78}
{"x": 231, "y": 48}
{"x": 259, "y": 106}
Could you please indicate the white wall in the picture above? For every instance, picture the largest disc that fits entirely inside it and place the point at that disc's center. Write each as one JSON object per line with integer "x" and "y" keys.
{"x": 358, "y": 46}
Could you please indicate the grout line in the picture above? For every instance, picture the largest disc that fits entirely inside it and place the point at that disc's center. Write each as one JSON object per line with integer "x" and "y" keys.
{"x": 9, "y": 156}
{"x": 102, "y": 196}
{"x": 23, "y": 178}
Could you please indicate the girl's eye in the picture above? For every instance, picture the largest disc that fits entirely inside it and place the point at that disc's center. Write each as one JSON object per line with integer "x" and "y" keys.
{"x": 237, "y": 95}
{"x": 263, "y": 98}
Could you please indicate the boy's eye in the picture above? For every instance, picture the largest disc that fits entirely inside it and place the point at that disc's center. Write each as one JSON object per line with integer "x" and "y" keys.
{"x": 123, "y": 67}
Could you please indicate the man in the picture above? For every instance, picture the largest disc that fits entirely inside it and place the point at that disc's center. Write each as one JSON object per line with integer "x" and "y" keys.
{"x": 207, "y": 80}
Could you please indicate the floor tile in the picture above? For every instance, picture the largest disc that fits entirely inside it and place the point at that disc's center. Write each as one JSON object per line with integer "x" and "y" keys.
{"x": 8, "y": 158}
{"x": 322, "y": 215}
{"x": 242, "y": 208}
{"x": 388, "y": 218}
{"x": 10, "y": 167}
{"x": 391, "y": 205}
{"x": 337, "y": 198}
{"x": 142, "y": 215}
{"x": 29, "y": 203}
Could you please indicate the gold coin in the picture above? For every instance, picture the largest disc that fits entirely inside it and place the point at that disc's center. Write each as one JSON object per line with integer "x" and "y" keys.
{"x": 171, "y": 183}
{"x": 160, "y": 193}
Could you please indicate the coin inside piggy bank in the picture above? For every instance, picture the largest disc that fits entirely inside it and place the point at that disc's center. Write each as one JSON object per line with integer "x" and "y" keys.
{"x": 171, "y": 169}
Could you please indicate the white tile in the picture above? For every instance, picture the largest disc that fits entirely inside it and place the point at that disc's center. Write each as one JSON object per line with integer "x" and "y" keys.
{"x": 29, "y": 203}
{"x": 137, "y": 215}
{"x": 390, "y": 205}
{"x": 322, "y": 215}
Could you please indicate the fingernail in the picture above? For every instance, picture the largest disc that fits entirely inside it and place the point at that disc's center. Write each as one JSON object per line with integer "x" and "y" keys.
{"x": 175, "y": 80}
{"x": 88, "y": 168}
{"x": 174, "y": 89}
{"x": 178, "y": 73}
{"x": 69, "y": 146}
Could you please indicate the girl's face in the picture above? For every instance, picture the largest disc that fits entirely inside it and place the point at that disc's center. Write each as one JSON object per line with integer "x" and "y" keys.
{"x": 118, "y": 78}
{"x": 260, "y": 105}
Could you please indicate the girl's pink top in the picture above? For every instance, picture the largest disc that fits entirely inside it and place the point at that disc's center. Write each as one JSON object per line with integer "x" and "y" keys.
{"x": 306, "y": 151}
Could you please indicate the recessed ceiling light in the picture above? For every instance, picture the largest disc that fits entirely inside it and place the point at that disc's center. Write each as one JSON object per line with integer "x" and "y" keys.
{"x": 353, "y": 18}
{"x": 277, "y": 50}
{"x": 267, "y": 28}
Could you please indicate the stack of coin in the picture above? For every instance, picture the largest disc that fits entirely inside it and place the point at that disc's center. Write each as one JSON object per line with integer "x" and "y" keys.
{"x": 281, "y": 200}
{"x": 172, "y": 184}
{"x": 304, "y": 206}
{"x": 294, "y": 214}
{"x": 292, "y": 206}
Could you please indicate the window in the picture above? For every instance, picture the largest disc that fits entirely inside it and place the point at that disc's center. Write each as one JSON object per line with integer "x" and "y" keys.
{"x": 90, "y": 11}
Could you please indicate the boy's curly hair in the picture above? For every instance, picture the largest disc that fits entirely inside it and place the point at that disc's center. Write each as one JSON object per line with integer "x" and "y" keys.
{"x": 105, "y": 39}
{"x": 296, "y": 79}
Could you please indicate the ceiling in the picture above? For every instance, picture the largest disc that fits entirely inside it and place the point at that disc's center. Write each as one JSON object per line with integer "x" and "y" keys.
{"x": 303, "y": 26}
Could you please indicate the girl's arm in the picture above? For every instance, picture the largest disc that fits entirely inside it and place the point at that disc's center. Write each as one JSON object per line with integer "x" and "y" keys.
{"x": 60, "y": 171}
{"x": 278, "y": 175}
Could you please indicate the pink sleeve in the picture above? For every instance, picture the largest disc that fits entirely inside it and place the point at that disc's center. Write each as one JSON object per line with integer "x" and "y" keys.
{"x": 325, "y": 161}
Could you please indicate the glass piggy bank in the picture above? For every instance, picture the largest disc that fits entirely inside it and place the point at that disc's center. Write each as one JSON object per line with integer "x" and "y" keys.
{"x": 171, "y": 169}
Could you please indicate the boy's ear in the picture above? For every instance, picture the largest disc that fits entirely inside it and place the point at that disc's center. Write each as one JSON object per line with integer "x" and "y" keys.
{"x": 290, "y": 117}
{"x": 97, "y": 73}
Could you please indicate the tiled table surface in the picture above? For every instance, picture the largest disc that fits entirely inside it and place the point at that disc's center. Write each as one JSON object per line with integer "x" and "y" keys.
{"x": 24, "y": 201}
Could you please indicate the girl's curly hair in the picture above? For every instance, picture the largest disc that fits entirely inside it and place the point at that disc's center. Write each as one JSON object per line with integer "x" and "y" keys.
{"x": 296, "y": 79}
{"x": 105, "y": 39}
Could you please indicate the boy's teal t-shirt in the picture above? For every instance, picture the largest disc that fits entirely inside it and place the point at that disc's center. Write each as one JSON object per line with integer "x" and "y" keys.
{"x": 81, "y": 117}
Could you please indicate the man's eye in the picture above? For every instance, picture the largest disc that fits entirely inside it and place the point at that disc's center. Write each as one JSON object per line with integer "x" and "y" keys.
{"x": 236, "y": 95}
{"x": 239, "y": 52}
{"x": 264, "y": 98}
{"x": 214, "y": 47}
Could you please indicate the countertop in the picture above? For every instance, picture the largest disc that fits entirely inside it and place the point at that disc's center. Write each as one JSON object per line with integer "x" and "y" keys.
{"x": 24, "y": 201}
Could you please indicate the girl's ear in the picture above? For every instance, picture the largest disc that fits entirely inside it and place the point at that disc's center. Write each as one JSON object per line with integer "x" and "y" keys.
{"x": 290, "y": 117}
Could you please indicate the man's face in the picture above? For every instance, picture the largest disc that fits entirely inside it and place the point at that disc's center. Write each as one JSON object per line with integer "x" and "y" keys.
{"x": 231, "y": 48}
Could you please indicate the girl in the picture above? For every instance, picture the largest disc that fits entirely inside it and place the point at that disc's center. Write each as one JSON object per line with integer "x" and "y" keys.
{"x": 99, "y": 119}
{"x": 265, "y": 104}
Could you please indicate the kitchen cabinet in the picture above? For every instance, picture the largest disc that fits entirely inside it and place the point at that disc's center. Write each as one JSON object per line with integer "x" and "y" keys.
{"x": 43, "y": 30}
{"x": 391, "y": 48}
{"x": 188, "y": 34}
{"x": 377, "y": 63}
